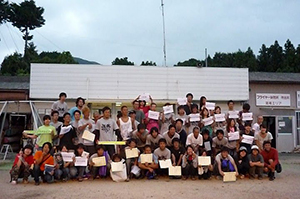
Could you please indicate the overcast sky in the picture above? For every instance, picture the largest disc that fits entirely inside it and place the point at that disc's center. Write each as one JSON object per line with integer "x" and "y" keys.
{"x": 101, "y": 30}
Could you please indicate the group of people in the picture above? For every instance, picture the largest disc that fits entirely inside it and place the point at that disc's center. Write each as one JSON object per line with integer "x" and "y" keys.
{"x": 180, "y": 139}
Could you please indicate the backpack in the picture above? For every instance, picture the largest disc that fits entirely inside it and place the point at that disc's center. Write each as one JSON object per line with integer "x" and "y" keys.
{"x": 227, "y": 166}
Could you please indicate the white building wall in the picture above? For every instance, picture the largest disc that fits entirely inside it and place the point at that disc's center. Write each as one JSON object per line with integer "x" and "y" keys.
{"x": 126, "y": 82}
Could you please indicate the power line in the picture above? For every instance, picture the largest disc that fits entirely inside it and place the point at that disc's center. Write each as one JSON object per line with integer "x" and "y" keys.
{"x": 49, "y": 41}
{"x": 5, "y": 43}
{"x": 12, "y": 37}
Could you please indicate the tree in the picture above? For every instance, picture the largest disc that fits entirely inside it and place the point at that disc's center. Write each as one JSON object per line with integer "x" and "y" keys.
{"x": 289, "y": 58}
{"x": 148, "y": 63}
{"x": 26, "y": 16}
{"x": 122, "y": 61}
{"x": 297, "y": 60}
{"x": 190, "y": 62}
{"x": 263, "y": 58}
{"x": 14, "y": 65}
{"x": 3, "y": 11}
{"x": 276, "y": 57}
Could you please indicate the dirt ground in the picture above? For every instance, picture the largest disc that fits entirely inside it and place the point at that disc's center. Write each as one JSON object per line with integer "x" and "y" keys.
{"x": 286, "y": 185}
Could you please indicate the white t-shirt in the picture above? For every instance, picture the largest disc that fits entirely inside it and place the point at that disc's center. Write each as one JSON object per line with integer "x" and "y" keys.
{"x": 256, "y": 128}
{"x": 82, "y": 122}
{"x": 191, "y": 140}
{"x": 261, "y": 140}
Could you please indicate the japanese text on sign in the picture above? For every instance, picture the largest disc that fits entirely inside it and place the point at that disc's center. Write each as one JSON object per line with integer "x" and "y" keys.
{"x": 269, "y": 99}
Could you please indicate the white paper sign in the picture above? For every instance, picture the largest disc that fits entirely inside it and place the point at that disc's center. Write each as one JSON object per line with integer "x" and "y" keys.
{"x": 247, "y": 139}
{"x": 168, "y": 109}
{"x": 67, "y": 156}
{"x": 153, "y": 115}
{"x": 164, "y": 164}
{"x": 131, "y": 153}
{"x": 144, "y": 96}
{"x": 207, "y": 145}
{"x": 208, "y": 121}
{"x": 234, "y": 136}
{"x": 220, "y": 117}
{"x": 99, "y": 161}
{"x": 247, "y": 116}
{"x": 146, "y": 158}
{"x": 181, "y": 101}
{"x": 116, "y": 166}
{"x": 210, "y": 105}
{"x": 85, "y": 154}
{"x": 88, "y": 136}
{"x": 229, "y": 177}
{"x": 204, "y": 160}
{"x": 175, "y": 171}
{"x": 80, "y": 161}
{"x": 194, "y": 117}
{"x": 233, "y": 114}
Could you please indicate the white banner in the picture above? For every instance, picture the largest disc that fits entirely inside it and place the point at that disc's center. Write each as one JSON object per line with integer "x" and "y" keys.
{"x": 269, "y": 99}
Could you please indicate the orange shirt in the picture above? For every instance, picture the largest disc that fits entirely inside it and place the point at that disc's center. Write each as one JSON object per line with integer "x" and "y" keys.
{"x": 50, "y": 160}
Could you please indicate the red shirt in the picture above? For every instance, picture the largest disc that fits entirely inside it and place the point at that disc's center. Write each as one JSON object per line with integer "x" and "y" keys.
{"x": 145, "y": 109}
{"x": 272, "y": 154}
{"x": 28, "y": 159}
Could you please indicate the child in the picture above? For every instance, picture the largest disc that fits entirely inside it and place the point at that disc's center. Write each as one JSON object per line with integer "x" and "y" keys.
{"x": 41, "y": 158}
{"x": 131, "y": 162}
{"x": 242, "y": 162}
{"x": 218, "y": 142}
{"x": 204, "y": 171}
{"x": 189, "y": 163}
{"x": 248, "y": 132}
{"x": 148, "y": 168}
{"x": 256, "y": 162}
{"x": 101, "y": 171}
{"x": 153, "y": 138}
{"x": 118, "y": 176}
{"x": 224, "y": 163}
{"x": 22, "y": 164}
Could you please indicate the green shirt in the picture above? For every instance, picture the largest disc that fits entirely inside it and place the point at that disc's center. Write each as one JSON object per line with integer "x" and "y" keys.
{"x": 44, "y": 134}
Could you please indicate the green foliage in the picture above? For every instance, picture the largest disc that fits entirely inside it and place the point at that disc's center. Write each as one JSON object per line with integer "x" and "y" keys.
{"x": 148, "y": 63}
{"x": 3, "y": 11}
{"x": 14, "y": 65}
{"x": 190, "y": 62}
{"x": 122, "y": 61}
{"x": 269, "y": 59}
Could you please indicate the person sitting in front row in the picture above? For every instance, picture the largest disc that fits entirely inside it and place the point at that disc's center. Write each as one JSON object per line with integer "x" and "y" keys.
{"x": 118, "y": 176}
{"x": 224, "y": 163}
{"x": 256, "y": 162}
{"x": 270, "y": 156}
{"x": 101, "y": 171}
{"x": 41, "y": 158}
{"x": 22, "y": 164}
{"x": 148, "y": 168}
{"x": 189, "y": 163}
{"x": 204, "y": 172}
{"x": 242, "y": 162}
{"x": 162, "y": 153}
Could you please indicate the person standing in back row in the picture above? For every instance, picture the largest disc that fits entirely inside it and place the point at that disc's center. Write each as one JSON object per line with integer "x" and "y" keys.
{"x": 61, "y": 106}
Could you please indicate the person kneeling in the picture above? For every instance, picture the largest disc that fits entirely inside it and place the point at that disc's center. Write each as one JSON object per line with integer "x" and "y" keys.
{"x": 41, "y": 159}
{"x": 224, "y": 163}
{"x": 256, "y": 162}
{"x": 270, "y": 156}
{"x": 99, "y": 170}
{"x": 148, "y": 168}
{"x": 189, "y": 163}
{"x": 22, "y": 165}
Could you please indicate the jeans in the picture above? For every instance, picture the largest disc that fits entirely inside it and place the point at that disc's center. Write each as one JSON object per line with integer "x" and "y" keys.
{"x": 37, "y": 173}
{"x": 63, "y": 173}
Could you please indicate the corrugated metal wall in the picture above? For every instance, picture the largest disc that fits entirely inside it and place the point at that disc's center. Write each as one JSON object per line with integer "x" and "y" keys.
{"x": 126, "y": 82}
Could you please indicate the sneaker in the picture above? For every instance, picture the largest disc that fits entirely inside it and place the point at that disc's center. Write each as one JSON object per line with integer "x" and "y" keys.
{"x": 272, "y": 176}
{"x": 25, "y": 181}
{"x": 13, "y": 182}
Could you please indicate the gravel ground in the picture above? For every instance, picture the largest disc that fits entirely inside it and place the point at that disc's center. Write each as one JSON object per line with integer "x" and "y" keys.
{"x": 286, "y": 185}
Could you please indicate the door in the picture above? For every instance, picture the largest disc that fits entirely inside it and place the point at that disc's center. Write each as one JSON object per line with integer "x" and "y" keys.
{"x": 285, "y": 133}
{"x": 298, "y": 128}
{"x": 270, "y": 121}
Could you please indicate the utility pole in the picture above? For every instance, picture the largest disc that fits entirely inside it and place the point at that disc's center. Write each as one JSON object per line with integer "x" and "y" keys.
{"x": 164, "y": 33}
{"x": 206, "y": 57}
